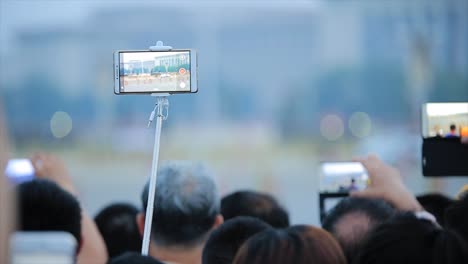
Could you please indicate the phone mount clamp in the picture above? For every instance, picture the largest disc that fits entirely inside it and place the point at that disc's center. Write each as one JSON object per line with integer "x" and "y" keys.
{"x": 161, "y": 112}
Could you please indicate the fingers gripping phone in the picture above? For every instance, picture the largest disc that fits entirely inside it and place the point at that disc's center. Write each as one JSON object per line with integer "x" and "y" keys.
{"x": 144, "y": 71}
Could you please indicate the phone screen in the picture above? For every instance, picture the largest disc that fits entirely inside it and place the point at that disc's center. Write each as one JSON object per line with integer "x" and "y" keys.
{"x": 445, "y": 120}
{"x": 42, "y": 247}
{"x": 19, "y": 170}
{"x": 155, "y": 71}
{"x": 342, "y": 177}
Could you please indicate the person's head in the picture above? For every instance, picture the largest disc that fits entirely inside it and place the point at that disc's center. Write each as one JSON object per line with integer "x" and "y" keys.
{"x": 297, "y": 244}
{"x": 133, "y": 258}
{"x": 456, "y": 216}
{"x": 436, "y": 204}
{"x": 408, "y": 239}
{"x": 117, "y": 225}
{"x": 186, "y": 206}
{"x": 44, "y": 206}
{"x": 224, "y": 242}
{"x": 255, "y": 204}
{"x": 453, "y": 128}
{"x": 352, "y": 219}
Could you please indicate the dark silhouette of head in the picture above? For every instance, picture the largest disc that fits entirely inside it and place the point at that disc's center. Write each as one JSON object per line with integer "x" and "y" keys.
{"x": 118, "y": 227}
{"x": 453, "y": 128}
{"x": 44, "y": 206}
{"x": 224, "y": 241}
{"x": 352, "y": 219}
{"x": 436, "y": 204}
{"x": 297, "y": 244}
{"x": 255, "y": 204}
{"x": 408, "y": 239}
{"x": 133, "y": 258}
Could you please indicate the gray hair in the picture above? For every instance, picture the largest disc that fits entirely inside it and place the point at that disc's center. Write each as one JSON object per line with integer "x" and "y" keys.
{"x": 186, "y": 203}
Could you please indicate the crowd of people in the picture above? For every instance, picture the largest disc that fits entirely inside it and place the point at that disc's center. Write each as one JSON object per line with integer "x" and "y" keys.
{"x": 192, "y": 224}
{"x": 384, "y": 223}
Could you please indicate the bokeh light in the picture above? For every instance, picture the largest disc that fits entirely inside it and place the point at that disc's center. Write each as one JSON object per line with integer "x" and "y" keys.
{"x": 360, "y": 124}
{"x": 331, "y": 127}
{"x": 61, "y": 124}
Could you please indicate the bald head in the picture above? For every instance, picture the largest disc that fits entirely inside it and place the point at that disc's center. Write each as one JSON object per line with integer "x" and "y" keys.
{"x": 352, "y": 220}
{"x": 351, "y": 228}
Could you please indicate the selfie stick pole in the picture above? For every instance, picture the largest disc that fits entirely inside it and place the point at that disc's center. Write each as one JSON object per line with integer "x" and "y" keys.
{"x": 161, "y": 110}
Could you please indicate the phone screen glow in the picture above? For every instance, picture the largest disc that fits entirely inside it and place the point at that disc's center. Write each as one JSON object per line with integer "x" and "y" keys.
{"x": 19, "y": 170}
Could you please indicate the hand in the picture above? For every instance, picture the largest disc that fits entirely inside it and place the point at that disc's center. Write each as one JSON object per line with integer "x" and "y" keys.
{"x": 48, "y": 166}
{"x": 93, "y": 248}
{"x": 386, "y": 183}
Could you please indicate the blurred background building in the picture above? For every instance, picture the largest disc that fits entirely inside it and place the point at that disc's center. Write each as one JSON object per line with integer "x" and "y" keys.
{"x": 283, "y": 85}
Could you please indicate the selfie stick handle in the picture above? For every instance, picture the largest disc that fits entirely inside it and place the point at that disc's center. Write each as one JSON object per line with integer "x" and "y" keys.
{"x": 161, "y": 111}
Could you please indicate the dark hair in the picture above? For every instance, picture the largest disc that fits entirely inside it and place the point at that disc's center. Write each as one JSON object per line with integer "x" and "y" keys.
{"x": 255, "y": 204}
{"x": 118, "y": 227}
{"x": 44, "y": 206}
{"x": 436, "y": 204}
{"x": 407, "y": 239}
{"x": 186, "y": 205}
{"x": 353, "y": 218}
{"x": 453, "y": 127}
{"x": 456, "y": 217}
{"x": 133, "y": 258}
{"x": 225, "y": 240}
{"x": 297, "y": 244}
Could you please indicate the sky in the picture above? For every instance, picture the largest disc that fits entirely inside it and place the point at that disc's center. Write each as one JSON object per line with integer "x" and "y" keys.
{"x": 16, "y": 14}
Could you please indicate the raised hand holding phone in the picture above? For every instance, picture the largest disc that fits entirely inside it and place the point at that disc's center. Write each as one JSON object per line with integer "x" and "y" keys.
{"x": 51, "y": 167}
{"x": 386, "y": 183}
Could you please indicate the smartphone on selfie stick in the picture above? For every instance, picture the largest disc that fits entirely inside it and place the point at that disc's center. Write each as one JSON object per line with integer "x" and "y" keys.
{"x": 155, "y": 71}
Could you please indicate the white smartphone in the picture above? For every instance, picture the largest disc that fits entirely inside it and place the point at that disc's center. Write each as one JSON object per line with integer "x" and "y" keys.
{"x": 19, "y": 170}
{"x": 342, "y": 177}
{"x": 444, "y": 120}
{"x": 148, "y": 72}
{"x": 42, "y": 247}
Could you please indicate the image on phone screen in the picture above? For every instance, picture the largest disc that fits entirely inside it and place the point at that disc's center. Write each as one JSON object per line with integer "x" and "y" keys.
{"x": 445, "y": 120}
{"x": 152, "y": 71}
{"x": 342, "y": 177}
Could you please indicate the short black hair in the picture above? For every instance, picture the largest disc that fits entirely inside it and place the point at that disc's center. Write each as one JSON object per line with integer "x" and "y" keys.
{"x": 118, "y": 227}
{"x": 436, "y": 204}
{"x": 133, "y": 258}
{"x": 44, "y": 206}
{"x": 375, "y": 211}
{"x": 225, "y": 240}
{"x": 255, "y": 204}
{"x": 407, "y": 239}
{"x": 453, "y": 127}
